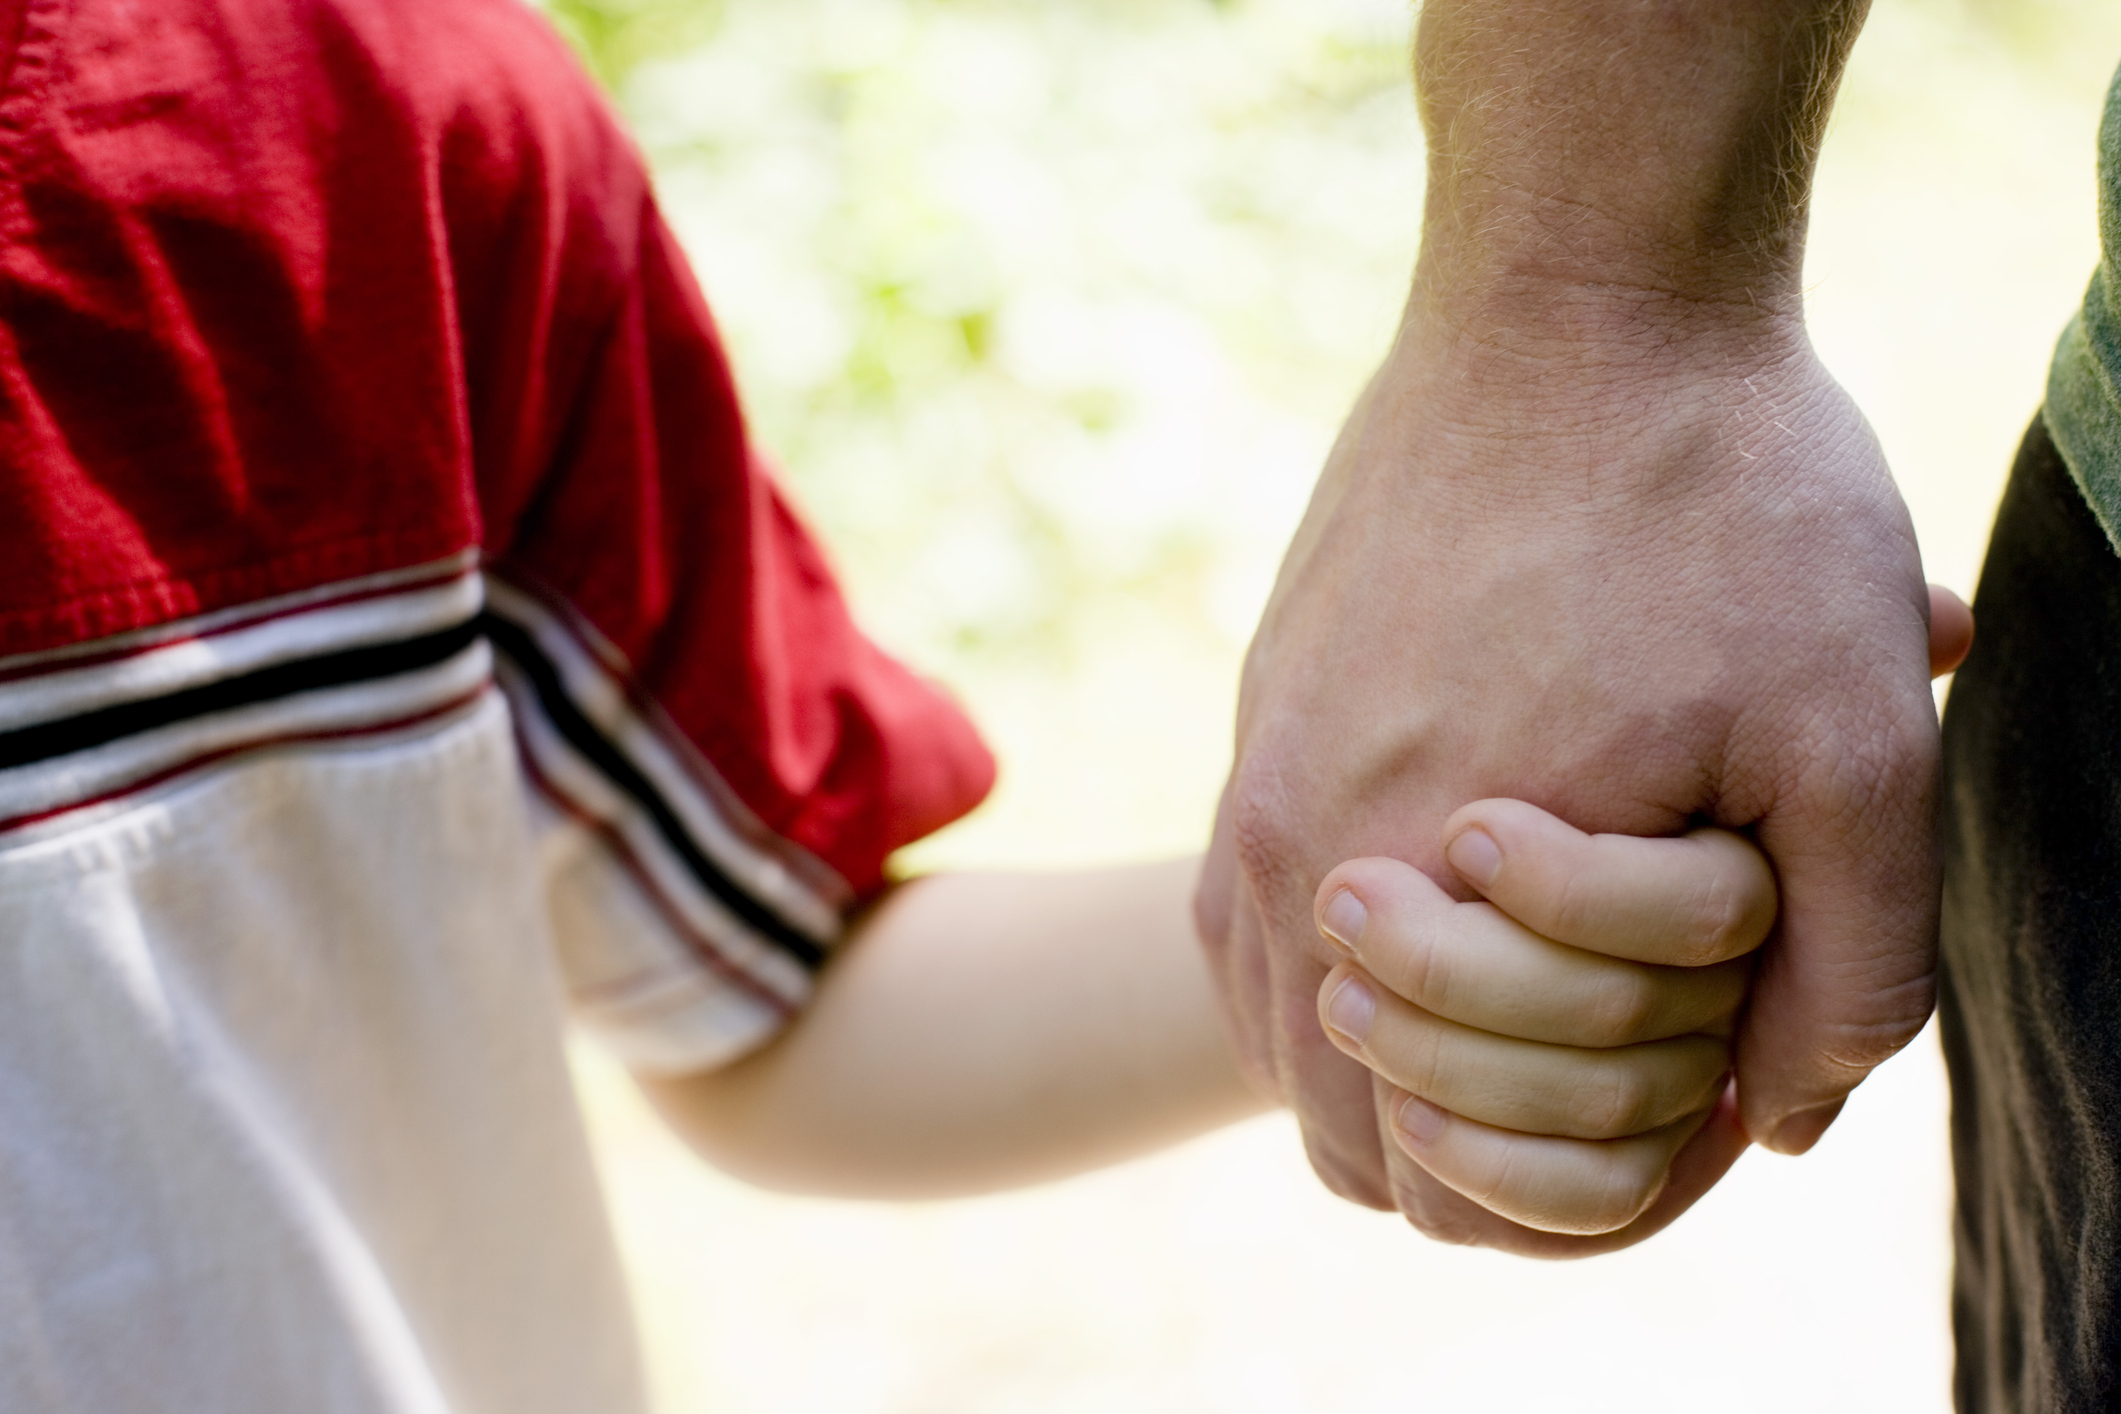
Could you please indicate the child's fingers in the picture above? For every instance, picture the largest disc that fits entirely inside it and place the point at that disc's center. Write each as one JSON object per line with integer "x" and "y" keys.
{"x": 1574, "y": 1186}
{"x": 1684, "y": 902}
{"x": 1520, "y": 1085}
{"x": 1473, "y": 965}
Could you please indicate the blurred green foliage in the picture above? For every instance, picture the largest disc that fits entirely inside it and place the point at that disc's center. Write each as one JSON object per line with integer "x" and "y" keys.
{"x": 615, "y": 37}
{"x": 2027, "y": 31}
{"x": 857, "y": 182}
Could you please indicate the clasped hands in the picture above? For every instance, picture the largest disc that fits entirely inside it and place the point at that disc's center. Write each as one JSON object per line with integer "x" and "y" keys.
{"x": 1547, "y": 1048}
{"x": 1553, "y": 1044}
{"x": 1550, "y": 1046}
{"x": 1644, "y": 599}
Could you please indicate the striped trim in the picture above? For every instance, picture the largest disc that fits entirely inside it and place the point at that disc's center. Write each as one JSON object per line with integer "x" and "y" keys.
{"x": 386, "y": 654}
{"x": 105, "y": 725}
{"x": 323, "y": 736}
{"x": 452, "y": 572}
{"x": 176, "y": 657}
{"x": 599, "y": 679}
{"x": 779, "y": 998}
{"x": 721, "y": 924}
{"x": 749, "y": 905}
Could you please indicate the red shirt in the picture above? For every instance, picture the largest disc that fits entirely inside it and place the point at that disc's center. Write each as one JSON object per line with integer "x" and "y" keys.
{"x": 298, "y": 291}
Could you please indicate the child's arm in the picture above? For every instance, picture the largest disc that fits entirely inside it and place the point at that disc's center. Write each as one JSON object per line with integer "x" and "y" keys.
{"x": 1552, "y": 1082}
{"x": 981, "y": 1031}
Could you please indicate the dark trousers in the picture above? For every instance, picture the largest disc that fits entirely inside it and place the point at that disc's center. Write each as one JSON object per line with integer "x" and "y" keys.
{"x": 2031, "y": 996}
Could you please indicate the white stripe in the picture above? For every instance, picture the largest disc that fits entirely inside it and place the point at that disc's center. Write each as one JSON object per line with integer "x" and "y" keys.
{"x": 88, "y": 775}
{"x": 600, "y": 697}
{"x": 215, "y": 622}
{"x": 202, "y": 654}
{"x": 587, "y": 789}
{"x": 631, "y": 982}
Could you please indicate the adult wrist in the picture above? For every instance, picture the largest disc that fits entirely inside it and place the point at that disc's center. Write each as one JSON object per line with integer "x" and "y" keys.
{"x": 1494, "y": 242}
{"x": 1653, "y": 150}
{"x": 1477, "y": 350}
{"x": 1584, "y": 396}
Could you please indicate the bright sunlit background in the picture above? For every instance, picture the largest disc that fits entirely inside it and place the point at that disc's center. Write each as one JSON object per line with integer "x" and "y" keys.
{"x": 1050, "y": 311}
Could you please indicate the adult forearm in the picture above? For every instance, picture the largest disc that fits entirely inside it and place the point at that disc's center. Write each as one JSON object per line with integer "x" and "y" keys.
{"x": 1656, "y": 153}
{"x": 983, "y": 1031}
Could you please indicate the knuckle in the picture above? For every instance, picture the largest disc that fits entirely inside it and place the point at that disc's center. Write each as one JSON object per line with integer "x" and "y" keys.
{"x": 1862, "y": 775}
{"x": 1613, "y": 1101}
{"x": 1622, "y": 1010}
{"x": 1262, "y": 827}
{"x": 1573, "y": 911}
{"x": 1418, "y": 1056}
{"x": 1427, "y": 973}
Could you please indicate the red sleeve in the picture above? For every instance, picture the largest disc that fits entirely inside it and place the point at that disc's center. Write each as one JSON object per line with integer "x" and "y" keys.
{"x": 659, "y": 525}
{"x": 299, "y": 293}
{"x": 735, "y": 760}
{"x": 619, "y": 488}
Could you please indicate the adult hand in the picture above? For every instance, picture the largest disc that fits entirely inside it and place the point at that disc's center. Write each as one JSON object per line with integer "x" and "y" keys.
{"x": 1602, "y": 535}
{"x": 1637, "y": 597}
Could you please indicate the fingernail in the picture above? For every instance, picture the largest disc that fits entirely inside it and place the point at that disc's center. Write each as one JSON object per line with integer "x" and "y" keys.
{"x": 1474, "y": 855}
{"x": 1351, "y": 1010}
{"x": 1420, "y": 1120}
{"x": 1341, "y": 921}
{"x": 1802, "y": 1130}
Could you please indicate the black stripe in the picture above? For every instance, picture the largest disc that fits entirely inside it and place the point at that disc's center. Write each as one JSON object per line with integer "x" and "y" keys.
{"x": 582, "y": 734}
{"x": 105, "y": 725}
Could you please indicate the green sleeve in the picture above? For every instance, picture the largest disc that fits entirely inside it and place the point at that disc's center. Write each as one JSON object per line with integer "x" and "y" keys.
{"x": 2084, "y": 386}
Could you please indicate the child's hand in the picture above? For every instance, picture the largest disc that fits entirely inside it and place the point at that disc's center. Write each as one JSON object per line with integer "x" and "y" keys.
{"x": 1556, "y": 1045}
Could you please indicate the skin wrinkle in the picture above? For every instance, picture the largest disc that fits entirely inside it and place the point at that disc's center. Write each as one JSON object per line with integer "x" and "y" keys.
{"x": 1624, "y": 1011}
{"x": 1430, "y": 979}
{"x": 1609, "y": 1094}
{"x": 1621, "y": 1007}
{"x": 1609, "y": 1103}
{"x": 1486, "y": 371}
{"x": 1501, "y": 1181}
